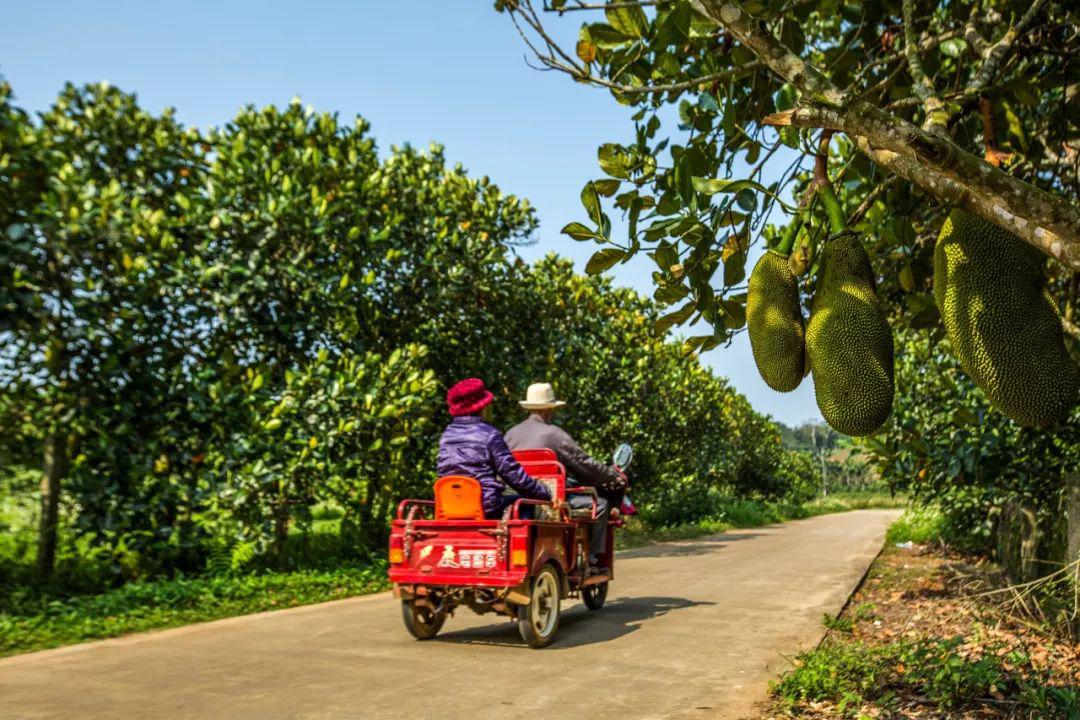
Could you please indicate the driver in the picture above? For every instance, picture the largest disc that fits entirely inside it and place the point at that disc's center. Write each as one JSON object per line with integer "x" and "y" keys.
{"x": 537, "y": 431}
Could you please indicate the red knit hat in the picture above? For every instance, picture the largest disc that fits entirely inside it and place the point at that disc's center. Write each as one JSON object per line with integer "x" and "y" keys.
{"x": 468, "y": 397}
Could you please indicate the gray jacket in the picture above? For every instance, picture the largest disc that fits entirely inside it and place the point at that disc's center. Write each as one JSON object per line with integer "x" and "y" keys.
{"x": 535, "y": 432}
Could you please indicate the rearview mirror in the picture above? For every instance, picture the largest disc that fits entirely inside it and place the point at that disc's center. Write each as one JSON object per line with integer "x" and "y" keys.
{"x": 622, "y": 455}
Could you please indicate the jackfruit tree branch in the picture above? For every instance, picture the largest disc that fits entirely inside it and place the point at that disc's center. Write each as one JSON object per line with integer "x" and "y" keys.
{"x": 947, "y": 171}
{"x": 930, "y": 161}
{"x": 936, "y": 117}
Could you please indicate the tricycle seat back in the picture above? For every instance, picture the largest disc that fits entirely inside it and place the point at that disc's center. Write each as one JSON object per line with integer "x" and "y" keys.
{"x": 458, "y": 497}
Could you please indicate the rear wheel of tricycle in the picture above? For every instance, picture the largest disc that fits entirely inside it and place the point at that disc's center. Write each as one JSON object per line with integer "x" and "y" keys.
{"x": 538, "y": 621}
{"x": 594, "y": 595}
{"x": 421, "y": 621}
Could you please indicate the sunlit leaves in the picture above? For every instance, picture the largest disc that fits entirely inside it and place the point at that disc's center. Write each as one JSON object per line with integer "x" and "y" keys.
{"x": 604, "y": 259}
{"x": 629, "y": 20}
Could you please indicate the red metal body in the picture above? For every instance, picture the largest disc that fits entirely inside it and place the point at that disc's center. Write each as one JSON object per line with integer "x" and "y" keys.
{"x": 489, "y": 565}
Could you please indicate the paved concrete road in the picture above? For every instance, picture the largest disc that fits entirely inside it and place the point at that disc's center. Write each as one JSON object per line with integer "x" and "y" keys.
{"x": 692, "y": 630}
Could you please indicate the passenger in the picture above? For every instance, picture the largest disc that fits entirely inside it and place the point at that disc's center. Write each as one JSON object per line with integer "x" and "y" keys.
{"x": 472, "y": 447}
{"x": 537, "y": 431}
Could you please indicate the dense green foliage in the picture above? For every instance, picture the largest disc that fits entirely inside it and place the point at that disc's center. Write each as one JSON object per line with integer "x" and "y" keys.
{"x": 948, "y": 447}
{"x": 215, "y": 336}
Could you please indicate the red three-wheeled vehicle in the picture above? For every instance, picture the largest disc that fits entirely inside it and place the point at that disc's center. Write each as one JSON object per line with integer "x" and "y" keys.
{"x": 444, "y": 553}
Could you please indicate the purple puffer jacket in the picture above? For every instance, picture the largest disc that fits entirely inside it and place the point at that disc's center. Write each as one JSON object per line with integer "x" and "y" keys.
{"x": 470, "y": 446}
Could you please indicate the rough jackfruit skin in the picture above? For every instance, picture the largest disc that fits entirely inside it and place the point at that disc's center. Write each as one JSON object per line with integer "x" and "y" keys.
{"x": 775, "y": 323}
{"x": 1002, "y": 323}
{"x": 849, "y": 343}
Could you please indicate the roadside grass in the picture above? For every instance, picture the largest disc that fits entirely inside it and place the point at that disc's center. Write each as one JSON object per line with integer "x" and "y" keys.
{"x": 752, "y": 513}
{"x": 31, "y": 621}
{"x": 917, "y": 642}
{"x": 920, "y": 525}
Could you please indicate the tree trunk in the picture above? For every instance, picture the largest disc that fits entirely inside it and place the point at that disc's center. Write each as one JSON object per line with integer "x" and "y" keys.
{"x": 1031, "y": 539}
{"x": 1072, "y": 484}
{"x": 54, "y": 467}
{"x": 281, "y": 528}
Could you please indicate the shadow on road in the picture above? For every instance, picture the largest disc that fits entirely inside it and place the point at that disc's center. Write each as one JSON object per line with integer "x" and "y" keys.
{"x": 698, "y": 546}
{"x": 578, "y": 626}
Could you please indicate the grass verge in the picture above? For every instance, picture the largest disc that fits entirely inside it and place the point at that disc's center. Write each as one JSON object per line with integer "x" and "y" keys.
{"x": 29, "y": 622}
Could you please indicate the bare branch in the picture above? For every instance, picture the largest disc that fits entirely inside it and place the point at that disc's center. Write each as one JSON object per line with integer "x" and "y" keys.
{"x": 869, "y": 200}
{"x": 936, "y": 119}
{"x": 555, "y": 58}
{"x": 578, "y": 5}
{"x": 814, "y": 86}
{"x": 972, "y": 35}
{"x": 995, "y": 55}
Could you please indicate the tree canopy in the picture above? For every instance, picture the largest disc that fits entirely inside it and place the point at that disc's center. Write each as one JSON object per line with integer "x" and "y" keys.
{"x": 920, "y": 94}
{"x": 209, "y": 335}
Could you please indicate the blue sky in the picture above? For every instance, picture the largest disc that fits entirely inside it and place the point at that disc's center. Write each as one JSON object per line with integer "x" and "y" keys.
{"x": 449, "y": 71}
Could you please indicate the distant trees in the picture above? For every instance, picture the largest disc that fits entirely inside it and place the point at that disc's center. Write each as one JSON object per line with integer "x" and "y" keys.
{"x": 205, "y": 335}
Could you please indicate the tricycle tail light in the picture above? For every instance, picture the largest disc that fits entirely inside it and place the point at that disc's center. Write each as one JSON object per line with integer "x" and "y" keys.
{"x": 519, "y": 549}
{"x": 397, "y": 550}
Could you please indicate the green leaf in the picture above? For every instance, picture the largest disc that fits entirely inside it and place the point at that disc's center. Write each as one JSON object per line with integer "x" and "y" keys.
{"x": 579, "y": 231}
{"x": 786, "y": 97}
{"x": 607, "y": 37}
{"x": 603, "y": 260}
{"x": 678, "y": 317}
{"x": 953, "y": 47}
{"x": 607, "y": 188}
{"x": 628, "y": 20}
{"x": 591, "y": 201}
{"x": 614, "y": 160}
{"x": 712, "y": 186}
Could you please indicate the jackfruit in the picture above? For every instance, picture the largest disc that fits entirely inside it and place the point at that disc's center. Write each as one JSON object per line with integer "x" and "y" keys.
{"x": 849, "y": 343}
{"x": 775, "y": 323}
{"x": 1002, "y": 323}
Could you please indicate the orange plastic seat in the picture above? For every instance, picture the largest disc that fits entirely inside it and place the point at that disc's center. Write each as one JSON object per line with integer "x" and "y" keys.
{"x": 458, "y": 498}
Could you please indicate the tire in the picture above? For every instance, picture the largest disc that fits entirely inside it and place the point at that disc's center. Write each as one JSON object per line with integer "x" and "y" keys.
{"x": 538, "y": 621}
{"x": 421, "y": 622}
{"x": 594, "y": 595}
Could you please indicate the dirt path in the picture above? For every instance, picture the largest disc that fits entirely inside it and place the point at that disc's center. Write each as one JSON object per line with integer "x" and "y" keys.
{"x": 692, "y": 630}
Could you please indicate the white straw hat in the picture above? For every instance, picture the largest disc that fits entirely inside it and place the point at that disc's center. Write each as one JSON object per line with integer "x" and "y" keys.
{"x": 540, "y": 396}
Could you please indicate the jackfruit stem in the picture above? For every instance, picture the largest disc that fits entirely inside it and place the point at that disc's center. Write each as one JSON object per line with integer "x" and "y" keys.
{"x": 823, "y": 185}
{"x": 837, "y": 221}
{"x": 787, "y": 241}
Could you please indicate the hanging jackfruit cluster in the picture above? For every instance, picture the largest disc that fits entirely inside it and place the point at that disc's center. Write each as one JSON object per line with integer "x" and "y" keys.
{"x": 1002, "y": 323}
{"x": 775, "y": 323}
{"x": 848, "y": 342}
